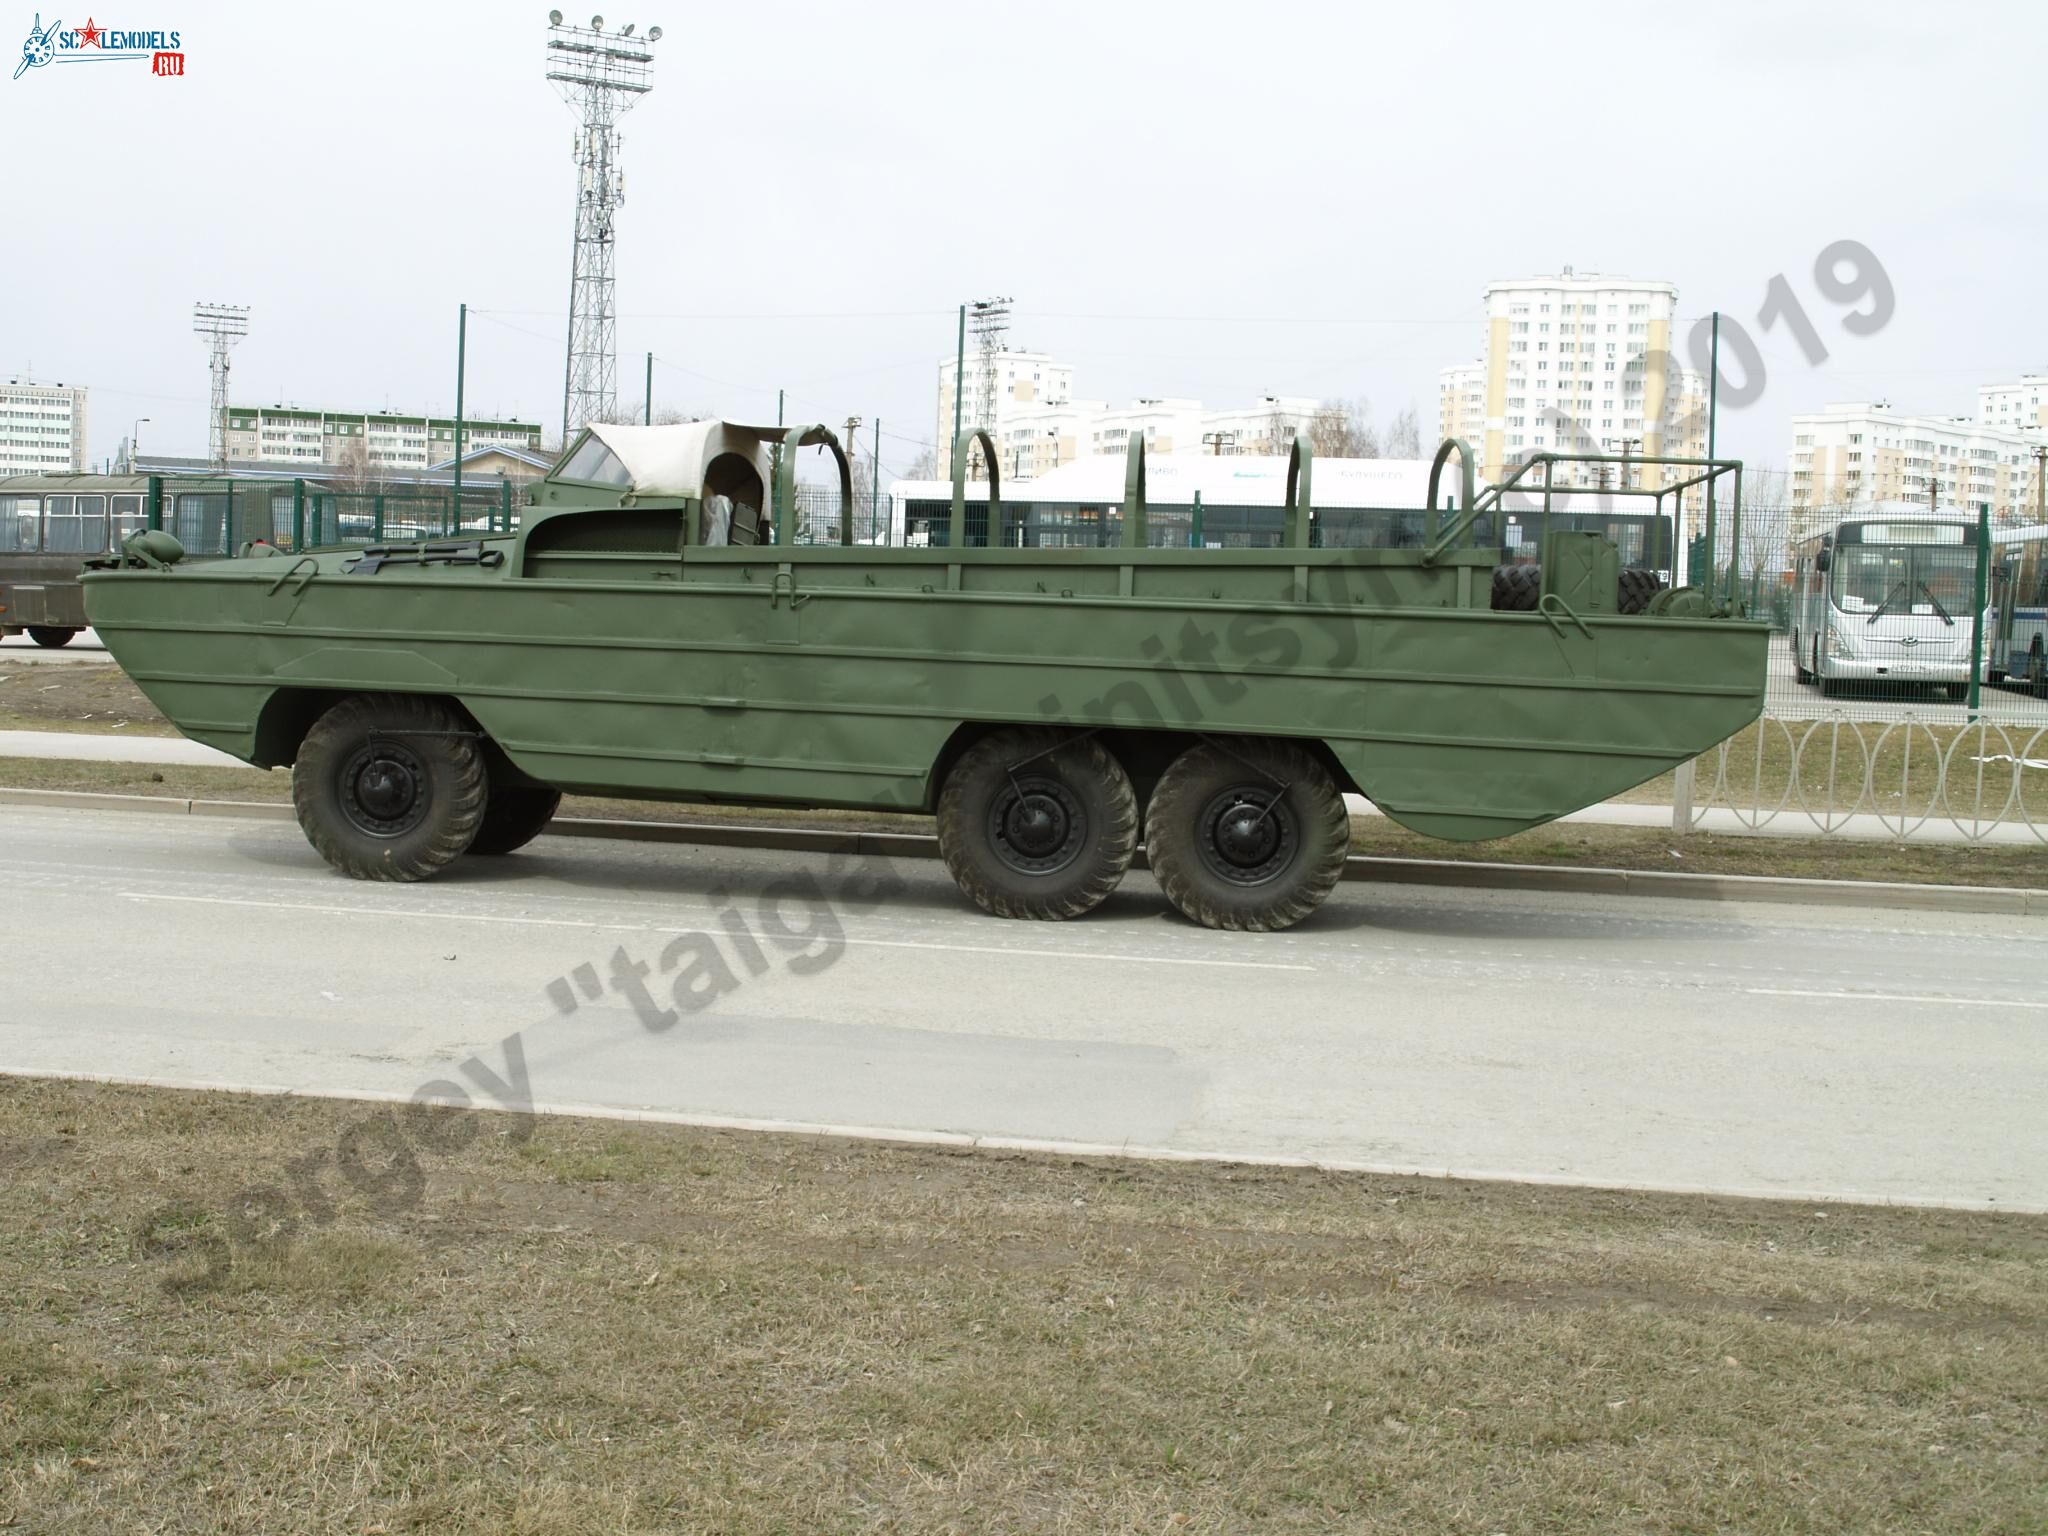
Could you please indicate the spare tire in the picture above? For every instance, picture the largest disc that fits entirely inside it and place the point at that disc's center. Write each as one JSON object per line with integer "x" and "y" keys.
{"x": 1635, "y": 589}
{"x": 1516, "y": 588}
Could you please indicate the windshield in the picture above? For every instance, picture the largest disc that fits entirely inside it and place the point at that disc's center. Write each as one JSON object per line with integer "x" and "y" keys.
{"x": 1903, "y": 578}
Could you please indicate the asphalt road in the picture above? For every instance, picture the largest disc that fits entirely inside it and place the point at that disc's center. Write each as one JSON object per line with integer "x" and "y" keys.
{"x": 1688, "y": 1045}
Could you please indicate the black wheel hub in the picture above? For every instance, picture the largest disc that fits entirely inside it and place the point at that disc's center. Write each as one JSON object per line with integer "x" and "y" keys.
{"x": 384, "y": 789}
{"x": 1037, "y": 825}
{"x": 1247, "y": 834}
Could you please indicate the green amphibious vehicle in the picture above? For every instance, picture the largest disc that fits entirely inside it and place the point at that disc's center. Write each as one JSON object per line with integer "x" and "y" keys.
{"x": 1053, "y": 694}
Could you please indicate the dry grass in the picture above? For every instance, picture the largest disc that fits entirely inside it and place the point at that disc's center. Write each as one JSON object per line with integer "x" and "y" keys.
{"x": 613, "y": 1328}
{"x": 75, "y": 696}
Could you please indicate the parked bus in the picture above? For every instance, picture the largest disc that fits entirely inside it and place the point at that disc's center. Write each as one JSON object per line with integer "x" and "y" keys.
{"x": 1885, "y": 599}
{"x": 2016, "y": 630}
{"x": 50, "y": 525}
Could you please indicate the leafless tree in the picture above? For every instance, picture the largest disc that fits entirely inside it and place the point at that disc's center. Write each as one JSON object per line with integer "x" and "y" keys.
{"x": 1403, "y": 438}
{"x": 1342, "y": 429}
{"x": 924, "y": 467}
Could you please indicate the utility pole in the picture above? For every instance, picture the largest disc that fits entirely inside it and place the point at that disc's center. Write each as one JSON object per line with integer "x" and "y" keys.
{"x": 461, "y": 357}
{"x": 647, "y": 410}
{"x": 959, "y": 384}
{"x": 2041, "y": 485}
{"x": 1216, "y": 441}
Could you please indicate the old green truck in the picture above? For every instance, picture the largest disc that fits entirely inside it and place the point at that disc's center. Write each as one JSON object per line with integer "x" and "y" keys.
{"x": 657, "y": 628}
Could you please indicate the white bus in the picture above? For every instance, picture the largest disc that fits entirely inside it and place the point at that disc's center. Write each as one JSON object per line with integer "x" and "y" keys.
{"x": 1885, "y": 599}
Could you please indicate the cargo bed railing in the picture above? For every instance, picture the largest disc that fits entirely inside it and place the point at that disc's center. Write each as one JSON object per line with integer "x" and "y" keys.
{"x": 1721, "y": 595}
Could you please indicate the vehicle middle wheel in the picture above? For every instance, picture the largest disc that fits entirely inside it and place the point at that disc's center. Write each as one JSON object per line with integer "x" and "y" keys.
{"x": 1037, "y": 824}
{"x": 389, "y": 786}
{"x": 513, "y": 817}
{"x": 1253, "y": 836}
{"x": 51, "y": 636}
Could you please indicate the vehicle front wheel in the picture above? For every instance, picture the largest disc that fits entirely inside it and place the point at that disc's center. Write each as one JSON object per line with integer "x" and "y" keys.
{"x": 389, "y": 786}
{"x": 1800, "y": 672}
{"x": 1253, "y": 836}
{"x": 514, "y": 817}
{"x": 1037, "y": 824}
{"x": 51, "y": 636}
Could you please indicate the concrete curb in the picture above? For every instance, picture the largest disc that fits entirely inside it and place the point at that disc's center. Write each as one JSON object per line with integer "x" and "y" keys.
{"x": 1470, "y": 874}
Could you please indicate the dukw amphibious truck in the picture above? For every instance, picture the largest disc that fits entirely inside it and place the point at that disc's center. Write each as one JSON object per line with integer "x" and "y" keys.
{"x": 657, "y": 628}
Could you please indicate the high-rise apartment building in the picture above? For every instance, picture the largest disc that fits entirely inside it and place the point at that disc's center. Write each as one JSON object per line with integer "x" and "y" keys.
{"x": 1578, "y": 363}
{"x": 1461, "y": 401}
{"x": 42, "y": 428}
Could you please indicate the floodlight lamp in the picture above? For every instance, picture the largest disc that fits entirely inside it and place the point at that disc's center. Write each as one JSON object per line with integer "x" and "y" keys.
{"x": 654, "y": 34}
{"x": 626, "y": 30}
{"x": 554, "y": 18}
{"x": 597, "y": 23}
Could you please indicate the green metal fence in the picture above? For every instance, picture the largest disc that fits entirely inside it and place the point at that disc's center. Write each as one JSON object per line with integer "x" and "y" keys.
{"x": 218, "y": 516}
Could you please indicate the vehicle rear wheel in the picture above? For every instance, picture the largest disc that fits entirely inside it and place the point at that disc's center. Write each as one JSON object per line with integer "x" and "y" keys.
{"x": 50, "y": 635}
{"x": 389, "y": 786}
{"x": 1957, "y": 692}
{"x": 1037, "y": 824}
{"x": 1252, "y": 836}
{"x": 513, "y": 817}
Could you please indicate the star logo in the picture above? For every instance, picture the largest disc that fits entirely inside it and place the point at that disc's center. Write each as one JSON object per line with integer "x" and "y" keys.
{"x": 89, "y": 35}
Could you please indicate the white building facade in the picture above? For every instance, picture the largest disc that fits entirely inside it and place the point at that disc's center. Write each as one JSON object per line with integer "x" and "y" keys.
{"x": 42, "y": 428}
{"x": 2022, "y": 406}
{"x": 282, "y": 434}
{"x": 1578, "y": 363}
{"x": 1857, "y": 453}
{"x": 1461, "y": 403}
{"x": 1024, "y": 381}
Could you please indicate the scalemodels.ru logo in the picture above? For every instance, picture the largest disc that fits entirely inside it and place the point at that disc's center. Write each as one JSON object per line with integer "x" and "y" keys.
{"x": 93, "y": 43}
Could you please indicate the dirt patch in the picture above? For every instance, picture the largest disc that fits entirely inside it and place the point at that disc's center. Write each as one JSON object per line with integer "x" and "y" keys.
{"x": 612, "y": 1327}
{"x": 75, "y": 696}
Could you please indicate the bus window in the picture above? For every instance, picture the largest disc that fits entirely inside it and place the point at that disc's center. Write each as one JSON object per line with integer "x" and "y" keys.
{"x": 75, "y": 525}
{"x": 129, "y": 517}
{"x": 1865, "y": 573}
{"x": 20, "y": 524}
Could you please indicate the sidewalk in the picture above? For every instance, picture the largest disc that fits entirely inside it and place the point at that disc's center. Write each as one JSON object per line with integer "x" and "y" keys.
{"x": 1791, "y": 822}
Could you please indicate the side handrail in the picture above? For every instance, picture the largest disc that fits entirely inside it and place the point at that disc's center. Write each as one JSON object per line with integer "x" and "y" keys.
{"x": 1435, "y": 542}
{"x": 956, "y": 535}
{"x": 785, "y": 481}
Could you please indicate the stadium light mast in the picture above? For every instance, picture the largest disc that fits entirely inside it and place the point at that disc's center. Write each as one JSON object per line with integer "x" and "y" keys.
{"x": 222, "y": 325}
{"x": 601, "y": 77}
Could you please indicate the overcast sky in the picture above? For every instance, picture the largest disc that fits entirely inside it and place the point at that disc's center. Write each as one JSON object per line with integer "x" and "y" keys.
{"x": 1210, "y": 201}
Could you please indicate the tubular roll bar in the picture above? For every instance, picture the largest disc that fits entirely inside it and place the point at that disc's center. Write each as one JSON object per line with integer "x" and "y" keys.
{"x": 957, "y": 533}
{"x": 1134, "y": 493}
{"x": 785, "y": 482}
{"x": 1472, "y": 508}
{"x": 1301, "y": 462}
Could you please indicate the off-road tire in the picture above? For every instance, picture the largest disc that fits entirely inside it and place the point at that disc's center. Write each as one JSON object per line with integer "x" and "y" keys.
{"x": 50, "y": 635}
{"x": 1037, "y": 824}
{"x": 1220, "y": 883}
{"x": 379, "y": 753}
{"x": 513, "y": 817}
{"x": 1516, "y": 588}
{"x": 1634, "y": 589}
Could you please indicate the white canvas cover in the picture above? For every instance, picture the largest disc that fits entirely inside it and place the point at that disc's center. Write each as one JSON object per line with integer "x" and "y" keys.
{"x": 670, "y": 461}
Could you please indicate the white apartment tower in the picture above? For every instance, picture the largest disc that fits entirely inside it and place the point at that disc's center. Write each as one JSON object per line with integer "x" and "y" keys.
{"x": 42, "y": 428}
{"x": 284, "y": 434}
{"x": 1461, "y": 399}
{"x": 1577, "y": 363}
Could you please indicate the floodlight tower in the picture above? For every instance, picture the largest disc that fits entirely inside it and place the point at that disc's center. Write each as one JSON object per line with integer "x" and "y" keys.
{"x": 222, "y": 325}
{"x": 602, "y": 77}
{"x": 990, "y": 319}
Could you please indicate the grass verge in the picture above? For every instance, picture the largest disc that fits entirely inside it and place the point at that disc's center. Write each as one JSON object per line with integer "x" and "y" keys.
{"x": 610, "y": 1327}
{"x": 1565, "y": 843}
